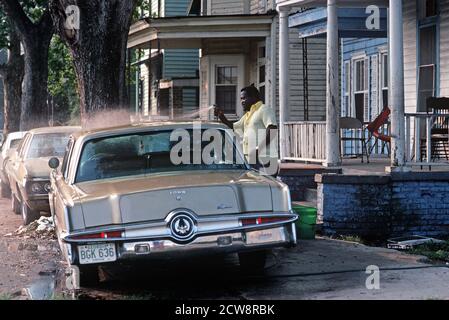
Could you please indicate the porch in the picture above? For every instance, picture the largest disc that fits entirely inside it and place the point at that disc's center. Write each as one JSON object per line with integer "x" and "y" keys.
{"x": 409, "y": 136}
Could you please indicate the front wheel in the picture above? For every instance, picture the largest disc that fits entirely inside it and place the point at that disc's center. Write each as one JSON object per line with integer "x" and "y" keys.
{"x": 252, "y": 262}
{"x": 15, "y": 204}
{"x": 29, "y": 215}
{"x": 6, "y": 191}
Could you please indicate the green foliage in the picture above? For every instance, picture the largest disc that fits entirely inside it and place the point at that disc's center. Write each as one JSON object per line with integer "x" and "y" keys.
{"x": 142, "y": 10}
{"x": 433, "y": 251}
{"x": 34, "y": 8}
{"x": 4, "y": 31}
{"x": 62, "y": 82}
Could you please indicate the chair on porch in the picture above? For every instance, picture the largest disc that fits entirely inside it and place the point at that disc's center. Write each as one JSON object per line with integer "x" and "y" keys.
{"x": 351, "y": 129}
{"x": 439, "y": 134}
{"x": 374, "y": 131}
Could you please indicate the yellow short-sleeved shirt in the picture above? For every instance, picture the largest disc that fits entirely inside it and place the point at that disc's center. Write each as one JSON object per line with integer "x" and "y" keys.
{"x": 253, "y": 125}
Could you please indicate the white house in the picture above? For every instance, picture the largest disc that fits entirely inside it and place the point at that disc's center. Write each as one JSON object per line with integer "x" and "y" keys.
{"x": 238, "y": 42}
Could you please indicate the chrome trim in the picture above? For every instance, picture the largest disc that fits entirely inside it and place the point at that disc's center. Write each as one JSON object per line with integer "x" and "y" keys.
{"x": 165, "y": 248}
{"x": 167, "y": 235}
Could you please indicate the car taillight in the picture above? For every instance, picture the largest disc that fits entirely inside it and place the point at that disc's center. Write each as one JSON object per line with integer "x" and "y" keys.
{"x": 261, "y": 220}
{"x": 100, "y": 235}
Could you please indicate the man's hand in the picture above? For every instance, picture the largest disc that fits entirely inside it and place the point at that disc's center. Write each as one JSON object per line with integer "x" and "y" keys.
{"x": 218, "y": 112}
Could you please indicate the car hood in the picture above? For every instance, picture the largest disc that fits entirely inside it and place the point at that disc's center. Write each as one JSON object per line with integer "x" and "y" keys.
{"x": 38, "y": 168}
{"x": 140, "y": 199}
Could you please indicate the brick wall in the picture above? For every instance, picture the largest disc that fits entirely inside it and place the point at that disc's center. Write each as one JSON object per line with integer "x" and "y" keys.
{"x": 379, "y": 207}
{"x": 298, "y": 180}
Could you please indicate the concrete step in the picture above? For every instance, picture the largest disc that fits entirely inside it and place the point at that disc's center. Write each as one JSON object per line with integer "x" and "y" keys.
{"x": 311, "y": 195}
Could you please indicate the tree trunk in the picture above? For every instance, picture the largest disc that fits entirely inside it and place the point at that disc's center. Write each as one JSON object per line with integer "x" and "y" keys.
{"x": 12, "y": 84}
{"x": 98, "y": 49}
{"x": 35, "y": 82}
{"x": 35, "y": 38}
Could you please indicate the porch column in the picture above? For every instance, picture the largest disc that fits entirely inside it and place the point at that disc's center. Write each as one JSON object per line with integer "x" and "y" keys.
{"x": 284, "y": 77}
{"x": 332, "y": 88}
{"x": 397, "y": 84}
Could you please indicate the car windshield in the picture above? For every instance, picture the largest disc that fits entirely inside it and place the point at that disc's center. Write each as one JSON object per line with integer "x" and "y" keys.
{"x": 48, "y": 145}
{"x": 157, "y": 152}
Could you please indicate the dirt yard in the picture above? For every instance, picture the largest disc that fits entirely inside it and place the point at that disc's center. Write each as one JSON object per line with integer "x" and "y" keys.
{"x": 24, "y": 259}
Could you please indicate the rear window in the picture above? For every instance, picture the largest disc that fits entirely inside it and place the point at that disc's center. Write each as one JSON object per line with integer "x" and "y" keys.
{"x": 148, "y": 153}
{"x": 48, "y": 145}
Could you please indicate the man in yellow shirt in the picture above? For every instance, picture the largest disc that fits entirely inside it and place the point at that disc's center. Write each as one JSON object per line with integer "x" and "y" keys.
{"x": 256, "y": 127}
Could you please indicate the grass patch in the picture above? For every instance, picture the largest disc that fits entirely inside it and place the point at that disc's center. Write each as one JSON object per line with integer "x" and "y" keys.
{"x": 433, "y": 251}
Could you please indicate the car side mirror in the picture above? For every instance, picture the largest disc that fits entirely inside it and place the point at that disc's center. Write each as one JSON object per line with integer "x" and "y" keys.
{"x": 53, "y": 163}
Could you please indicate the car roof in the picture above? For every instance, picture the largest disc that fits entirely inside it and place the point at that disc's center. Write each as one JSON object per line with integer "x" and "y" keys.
{"x": 59, "y": 129}
{"x": 16, "y": 135}
{"x": 141, "y": 126}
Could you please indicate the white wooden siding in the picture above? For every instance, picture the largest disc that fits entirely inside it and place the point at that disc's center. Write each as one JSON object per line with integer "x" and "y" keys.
{"x": 444, "y": 48}
{"x": 317, "y": 77}
{"x": 410, "y": 61}
{"x": 226, "y": 7}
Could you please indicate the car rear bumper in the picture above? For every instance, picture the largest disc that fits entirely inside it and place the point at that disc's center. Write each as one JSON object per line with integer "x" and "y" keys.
{"x": 248, "y": 240}
{"x": 38, "y": 203}
{"x": 284, "y": 236}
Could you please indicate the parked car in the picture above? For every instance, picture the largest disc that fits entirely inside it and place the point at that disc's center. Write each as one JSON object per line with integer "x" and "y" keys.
{"x": 118, "y": 196}
{"x": 28, "y": 171}
{"x": 9, "y": 145}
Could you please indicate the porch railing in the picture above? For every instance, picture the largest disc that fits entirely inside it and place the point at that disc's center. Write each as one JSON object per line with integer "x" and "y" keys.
{"x": 418, "y": 127}
{"x": 306, "y": 141}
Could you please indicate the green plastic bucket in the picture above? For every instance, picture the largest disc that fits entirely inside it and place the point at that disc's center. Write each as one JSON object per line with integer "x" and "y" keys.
{"x": 306, "y": 224}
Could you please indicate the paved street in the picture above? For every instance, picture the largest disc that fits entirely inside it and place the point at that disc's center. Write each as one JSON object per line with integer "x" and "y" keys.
{"x": 320, "y": 269}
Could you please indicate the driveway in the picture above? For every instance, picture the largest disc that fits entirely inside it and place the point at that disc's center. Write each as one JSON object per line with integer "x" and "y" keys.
{"x": 317, "y": 269}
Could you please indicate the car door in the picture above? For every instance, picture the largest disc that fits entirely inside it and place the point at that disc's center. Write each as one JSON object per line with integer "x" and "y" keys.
{"x": 59, "y": 189}
{"x": 15, "y": 162}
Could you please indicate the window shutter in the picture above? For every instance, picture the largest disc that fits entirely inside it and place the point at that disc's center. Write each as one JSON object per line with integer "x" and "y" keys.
{"x": 366, "y": 87}
{"x": 374, "y": 87}
{"x": 352, "y": 72}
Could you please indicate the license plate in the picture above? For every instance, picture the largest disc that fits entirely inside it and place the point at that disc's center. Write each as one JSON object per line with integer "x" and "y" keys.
{"x": 97, "y": 253}
{"x": 265, "y": 236}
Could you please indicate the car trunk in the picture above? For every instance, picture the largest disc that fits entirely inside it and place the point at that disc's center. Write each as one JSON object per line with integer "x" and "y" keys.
{"x": 152, "y": 198}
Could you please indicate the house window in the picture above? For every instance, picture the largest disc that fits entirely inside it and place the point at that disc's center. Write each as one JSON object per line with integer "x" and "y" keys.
{"x": 427, "y": 65}
{"x": 140, "y": 93}
{"x": 361, "y": 95}
{"x": 384, "y": 80}
{"x": 226, "y": 88}
{"x": 427, "y": 8}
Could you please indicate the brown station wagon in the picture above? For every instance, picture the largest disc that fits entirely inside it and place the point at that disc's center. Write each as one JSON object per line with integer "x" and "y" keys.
{"x": 28, "y": 171}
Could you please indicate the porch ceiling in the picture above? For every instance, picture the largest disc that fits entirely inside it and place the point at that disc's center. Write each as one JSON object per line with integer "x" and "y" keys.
{"x": 188, "y": 32}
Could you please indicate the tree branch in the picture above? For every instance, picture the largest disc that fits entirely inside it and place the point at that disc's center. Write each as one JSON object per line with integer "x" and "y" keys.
{"x": 17, "y": 16}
